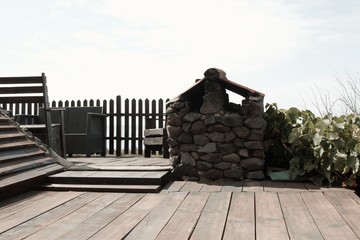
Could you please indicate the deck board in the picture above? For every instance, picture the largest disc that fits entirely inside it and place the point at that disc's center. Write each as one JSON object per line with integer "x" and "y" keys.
{"x": 89, "y": 227}
{"x": 186, "y": 210}
{"x": 124, "y": 223}
{"x": 36, "y": 209}
{"x": 240, "y": 223}
{"x": 327, "y": 218}
{"x": 47, "y": 218}
{"x": 299, "y": 222}
{"x": 152, "y": 224}
{"x": 70, "y": 222}
{"x": 184, "y": 220}
{"x": 348, "y": 209}
{"x": 270, "y": 223}
{"x": 183, "y": 209}
{"x": 212, "y": 220}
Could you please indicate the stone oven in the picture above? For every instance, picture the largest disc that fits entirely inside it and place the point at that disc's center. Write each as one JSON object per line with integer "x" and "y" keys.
{"x": 211, "y": 138}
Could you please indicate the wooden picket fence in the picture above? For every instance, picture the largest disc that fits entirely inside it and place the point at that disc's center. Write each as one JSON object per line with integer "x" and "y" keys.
{"x": 125, "y": 121}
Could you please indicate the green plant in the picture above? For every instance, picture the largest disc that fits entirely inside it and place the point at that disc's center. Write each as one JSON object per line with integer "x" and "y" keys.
{"x": 325, "y": 148}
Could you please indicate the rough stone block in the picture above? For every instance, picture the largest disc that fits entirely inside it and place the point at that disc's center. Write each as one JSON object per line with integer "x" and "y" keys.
{"x": 187, "y": 159}
{"x": 230, "y": 120}
{"x": 201, "y": 140}
{"x": 217, "y": 137}
{"x": 252, "y": 164}
{"x": 203, "y": 165}
{"x": 208, "y": 148}
{"x": 254, "y": 145}
{"x": 226, "y": 148}
{"x": 212, "y": 157}
{"x": 214, "y": 174}
{"x": 192, "y": 117}
{"x": 223, "y": 165}
{"x": 236, "y": 173}
{"x": 232, "y": 158}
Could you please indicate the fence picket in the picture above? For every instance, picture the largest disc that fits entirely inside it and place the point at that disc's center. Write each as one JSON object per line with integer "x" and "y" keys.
{"x": 124, "y": 126}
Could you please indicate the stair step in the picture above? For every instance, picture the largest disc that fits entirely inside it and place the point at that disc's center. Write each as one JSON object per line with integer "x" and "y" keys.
{"x": 11, "y": 135}
{"x": 16, "y": 154}
{"x": 7, "y": 127}
{"x": 111, "y": 177}
{"x": 102, "y": 188}
{"x": 24, "y": 164}
{"x": 9, "y": 145}
{"x": 13, "y": 184}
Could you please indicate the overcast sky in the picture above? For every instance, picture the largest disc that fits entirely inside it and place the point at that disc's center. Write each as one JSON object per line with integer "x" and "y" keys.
{"x": 156, "y": 49}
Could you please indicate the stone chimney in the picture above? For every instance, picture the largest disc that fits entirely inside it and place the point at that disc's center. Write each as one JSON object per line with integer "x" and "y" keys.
{"x": 212, "y": 138}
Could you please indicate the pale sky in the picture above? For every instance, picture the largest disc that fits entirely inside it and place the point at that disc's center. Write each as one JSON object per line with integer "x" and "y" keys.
{"x": 156, "y": 49}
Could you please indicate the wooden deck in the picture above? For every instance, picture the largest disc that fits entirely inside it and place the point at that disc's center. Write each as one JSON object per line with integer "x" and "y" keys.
{"x": 186, "y": 210}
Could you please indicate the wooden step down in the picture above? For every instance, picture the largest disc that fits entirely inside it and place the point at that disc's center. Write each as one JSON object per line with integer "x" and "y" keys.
{"x": 102, "y": 188}
{"x": 118, "y": 181}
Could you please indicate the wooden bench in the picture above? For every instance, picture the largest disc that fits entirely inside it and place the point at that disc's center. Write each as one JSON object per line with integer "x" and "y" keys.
{"x": 155, "y": 139}
{"x": 17, "y": 93}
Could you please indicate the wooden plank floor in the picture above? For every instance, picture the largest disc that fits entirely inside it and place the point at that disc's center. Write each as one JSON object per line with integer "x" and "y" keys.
{"x": 186, "y": 210}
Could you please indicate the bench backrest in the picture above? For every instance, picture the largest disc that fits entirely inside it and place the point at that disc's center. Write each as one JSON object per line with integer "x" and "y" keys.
{"x": 76, "y": 118}
{"x": 16, "y": 91}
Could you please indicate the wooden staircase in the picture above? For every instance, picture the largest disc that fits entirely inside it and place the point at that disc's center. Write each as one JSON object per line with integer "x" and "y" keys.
{"x": 23, "y": 165}
{"x": 109, "y": 181}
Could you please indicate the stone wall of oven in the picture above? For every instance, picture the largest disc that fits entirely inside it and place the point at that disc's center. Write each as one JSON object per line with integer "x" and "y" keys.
{"x": 219, "y": 140}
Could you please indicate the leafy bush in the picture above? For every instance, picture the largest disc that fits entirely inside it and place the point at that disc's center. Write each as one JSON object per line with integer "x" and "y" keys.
{"x": 326, "y": 148}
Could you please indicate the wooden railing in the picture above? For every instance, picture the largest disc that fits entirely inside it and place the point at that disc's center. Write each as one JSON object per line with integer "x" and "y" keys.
{"x": 125, "y": 121}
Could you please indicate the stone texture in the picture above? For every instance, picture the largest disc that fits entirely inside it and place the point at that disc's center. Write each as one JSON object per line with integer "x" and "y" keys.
{"x": 201, "y": 140}
{"x": 172, "y": 142}
{"x": 188, "y": 147}
{"x": 255, "y": 135}
{"x": 187, "y": 127}
{"x": 178, "y": 105}
{"x": 208, "y": 148}
{"x": 223, "y": 165}
{"x": 255, "y": 122}
{"x": 238, "y": 143}
{"x": 192, "y": 117}
{"x": 174, "y": 120}
{"x": 258, "y": 153}
{"x": 226, "y": 148}
{"x": 198, "y": 127}
{"x": 230, "y": 120}
{"x": 229, "y": 136}
{"x": 209, "y": 119}
{"x": 214, "y": 174}
{"x": 236, "y": 173}
{"x": 173, "y": 131}
{"x": 218, "y": 128}
{"x": 232, "y": 158}
{"x": 255, "y": 109}
{"x": 212, "y": 157}
{"x": 215, "y": 73}
{"x": 253, "y": 145}
{"x": 185, "y": 138}
{"x": 174, "y": 160}
{"x": 203, "y": 165}
{"x": 217, "y": 137}
{"x": 243, "y": 152}
{"x": 252, "y": 164}
{"x": 174, "y": 150}
{"x": 241, "y": 132}
{"x": 187, "y": 159}
{"x": 184, "y": 170}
